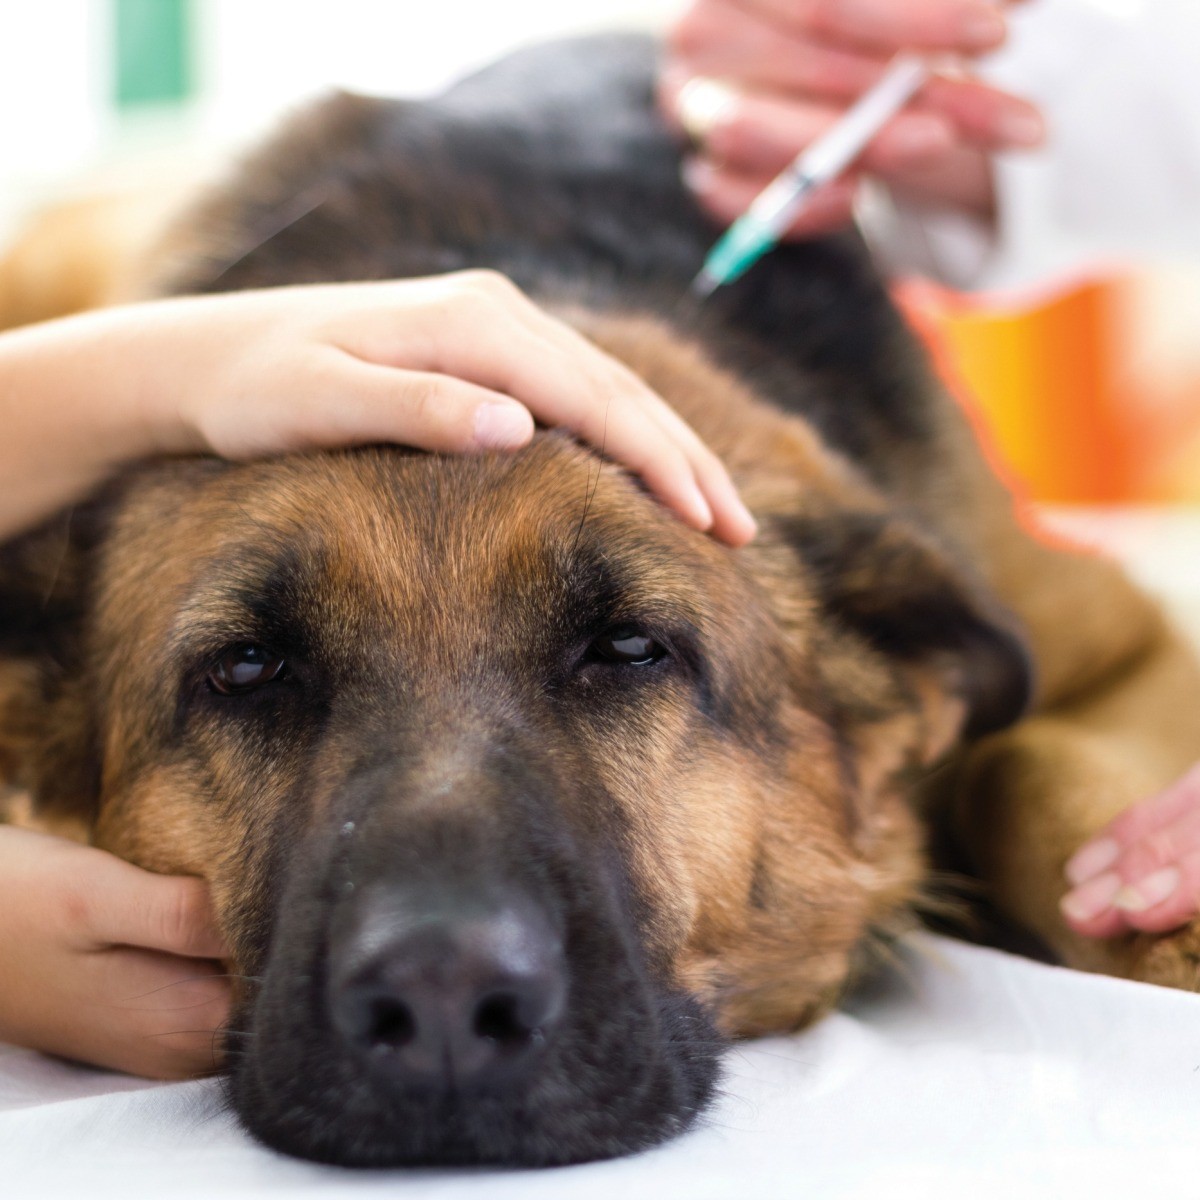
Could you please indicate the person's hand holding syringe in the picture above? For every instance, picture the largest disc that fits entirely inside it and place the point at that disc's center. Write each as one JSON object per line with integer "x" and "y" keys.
{"x": 755, "y": 82}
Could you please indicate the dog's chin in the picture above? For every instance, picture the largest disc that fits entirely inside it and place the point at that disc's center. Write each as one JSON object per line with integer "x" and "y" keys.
{"x": 601, "y": 1093}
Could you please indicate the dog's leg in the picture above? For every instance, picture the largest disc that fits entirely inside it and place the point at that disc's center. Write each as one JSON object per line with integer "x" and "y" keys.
{"x": 1118, "y": 719}
{"x": 1026, "y": 799}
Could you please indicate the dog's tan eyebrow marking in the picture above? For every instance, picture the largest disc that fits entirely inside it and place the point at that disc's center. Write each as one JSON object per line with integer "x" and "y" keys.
{"x": 245, "y": 595}
{"x": 602, "y": 589}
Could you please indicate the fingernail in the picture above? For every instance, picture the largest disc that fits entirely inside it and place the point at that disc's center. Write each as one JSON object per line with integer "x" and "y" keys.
{"x": 1148, "y": 892}
{"x": 700, "y": 509}
{"x": 979, "y": 29}
{"x": 1093, "y": 898}
{"x": 698, "y": 174}
{"x": 1021, "y": 128}
{"x": 502, "y": 426}
{"x": 1091, "y": 860}
{"x": 740, "y": 525}
{"x": 749, "y": 526}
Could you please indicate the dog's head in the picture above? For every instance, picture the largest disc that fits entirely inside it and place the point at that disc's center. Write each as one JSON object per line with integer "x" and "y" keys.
{"x": 516, "y": 796}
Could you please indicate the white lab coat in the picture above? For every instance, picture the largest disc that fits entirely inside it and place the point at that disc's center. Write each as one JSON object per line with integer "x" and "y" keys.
{"x": 1118, "y": 82}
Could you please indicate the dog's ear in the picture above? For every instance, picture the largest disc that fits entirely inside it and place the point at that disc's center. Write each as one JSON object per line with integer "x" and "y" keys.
{"x": 47, "y": 734}
{"x": 881, "y": 578}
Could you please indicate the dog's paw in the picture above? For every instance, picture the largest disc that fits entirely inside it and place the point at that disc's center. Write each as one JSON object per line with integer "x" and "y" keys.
{"x": 1169, "y": 959}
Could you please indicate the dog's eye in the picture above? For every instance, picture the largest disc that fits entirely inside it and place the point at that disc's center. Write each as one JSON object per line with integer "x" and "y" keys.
{"x": 629, "y": 646}
{"x": 244, "y": 668}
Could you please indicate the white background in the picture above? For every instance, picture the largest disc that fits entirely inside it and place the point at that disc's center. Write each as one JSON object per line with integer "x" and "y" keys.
{"x": 255, "y": 59}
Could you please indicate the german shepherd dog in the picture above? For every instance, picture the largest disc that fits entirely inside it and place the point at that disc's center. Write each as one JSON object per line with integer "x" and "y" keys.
{"x": 517, "y": 797}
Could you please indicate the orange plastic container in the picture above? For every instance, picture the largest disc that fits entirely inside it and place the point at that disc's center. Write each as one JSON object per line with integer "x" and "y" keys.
{"x": 1064, "y": 393}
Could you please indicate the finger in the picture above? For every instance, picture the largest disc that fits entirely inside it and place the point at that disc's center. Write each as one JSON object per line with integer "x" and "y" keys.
{"x": 1165, "y": 808}
{"x": 1088, "y": 909}
{"x": 630, "y": 432}
{"x": 964, "y": 179}
{"x": 134, "y": 1010}
{"x": 493, "y": 336}
{"x": 643, "y": 448}
{"x": 441, "y": 413}
{"x": 169, "y": 913}
{"x": 514, "y": 348}
{"x": 733, "y": 523}
{"x": 1160, "y": 873}
{"x": 633, "y": 430}
{"x": 450, "y": 342}
{"x": 1159, "y": 848}
{"x": 717, "y": 40}
{"x": 966, "y": 26}
{"x": 760, "y": 133}
{"x": 984, "y": 115}
{"x": 726, "y": 195}
{"x": 156, "y": 1015}
{"x": 1152, "y": 885}
{"x": 1164, "y": 899}
{"x": 760, "y": 129}
{"x": 707, "y": 93}
{"x": 487, "y": 332}
{"x": 357, "y": 402}
{"x": 727, "y": 517}
{"x": 566, "y": 380}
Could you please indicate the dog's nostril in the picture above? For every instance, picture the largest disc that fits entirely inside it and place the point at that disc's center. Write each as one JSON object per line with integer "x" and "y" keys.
{"x": 499, "y": 1019}
{"x": 392, "y": 1025}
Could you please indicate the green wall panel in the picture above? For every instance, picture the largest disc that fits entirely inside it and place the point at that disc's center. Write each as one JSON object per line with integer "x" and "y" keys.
{"x": 153, "y": 50}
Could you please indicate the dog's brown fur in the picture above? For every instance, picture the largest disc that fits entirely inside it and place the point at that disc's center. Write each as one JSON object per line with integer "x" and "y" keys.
{"x": 1113, "y": 723}
{"x": 765, "y": 858}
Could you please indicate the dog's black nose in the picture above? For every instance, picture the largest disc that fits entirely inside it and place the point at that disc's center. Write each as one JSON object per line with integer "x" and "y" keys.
{"x": 448, "y": 997}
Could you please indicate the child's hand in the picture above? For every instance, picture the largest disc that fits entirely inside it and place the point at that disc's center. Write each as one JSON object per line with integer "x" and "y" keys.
{"x": 103, "y": 962}
{"x": 1143, "y": 871}
{"x": 455, "y": 363}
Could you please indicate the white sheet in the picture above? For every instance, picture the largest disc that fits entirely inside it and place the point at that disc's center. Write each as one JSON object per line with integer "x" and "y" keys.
{"x": 967, "y": 1073}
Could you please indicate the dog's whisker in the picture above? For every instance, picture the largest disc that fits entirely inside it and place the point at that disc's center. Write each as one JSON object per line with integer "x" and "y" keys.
{"x": 589, "y": 492}
{"x": 169, "y": 1033}
{"x": 158, "y": 1008}
{"x": 194, "y": 979}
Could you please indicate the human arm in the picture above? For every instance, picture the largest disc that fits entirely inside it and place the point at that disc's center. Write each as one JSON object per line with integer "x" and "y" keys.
{"x": 457, "y": 363}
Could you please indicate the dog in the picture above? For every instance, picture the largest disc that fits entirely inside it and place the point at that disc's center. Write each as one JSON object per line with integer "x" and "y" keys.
{"x": 517, "y": 798}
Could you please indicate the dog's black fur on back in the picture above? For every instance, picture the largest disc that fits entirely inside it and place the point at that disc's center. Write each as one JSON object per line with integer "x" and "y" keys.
{"x": 554, "y": 168}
